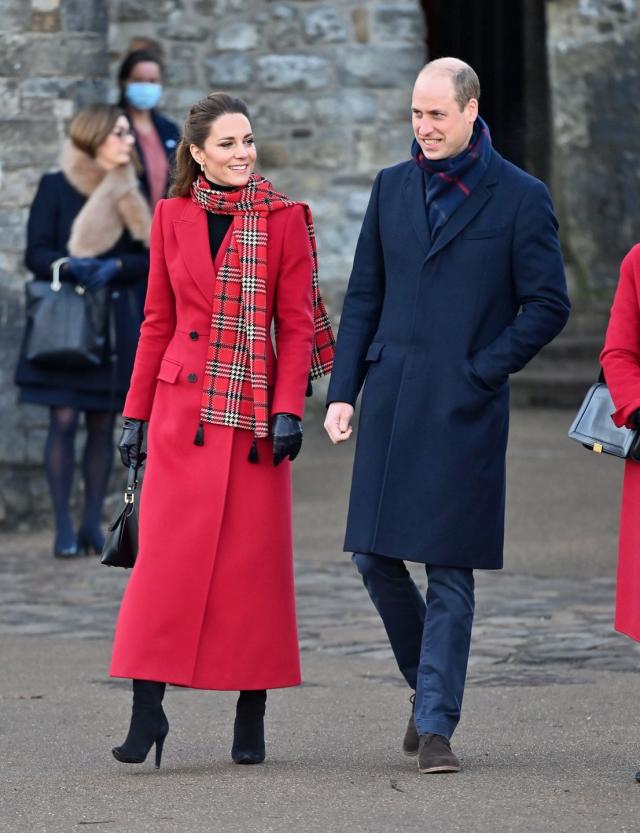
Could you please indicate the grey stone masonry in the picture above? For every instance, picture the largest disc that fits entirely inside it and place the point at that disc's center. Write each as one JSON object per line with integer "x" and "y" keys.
{"x": 594, "y": 60}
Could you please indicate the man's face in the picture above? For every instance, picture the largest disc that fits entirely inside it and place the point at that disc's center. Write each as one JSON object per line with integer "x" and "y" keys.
{"x": 440, "y": 127}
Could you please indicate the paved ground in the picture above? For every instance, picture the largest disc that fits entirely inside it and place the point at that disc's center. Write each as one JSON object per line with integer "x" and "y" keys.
{"x": 549, "y": 739}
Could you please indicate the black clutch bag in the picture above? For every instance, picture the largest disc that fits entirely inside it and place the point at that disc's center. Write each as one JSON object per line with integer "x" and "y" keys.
{"x": 121, "y": 541}
{"x": 67, "y": 325}
{"x": 594, "y": 428}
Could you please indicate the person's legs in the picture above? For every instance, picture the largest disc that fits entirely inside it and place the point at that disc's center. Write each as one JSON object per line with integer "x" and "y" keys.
{"x": 445, "y": 649}
{"x": 97, "y": 462}
{"x": 400, "y": 605}
{"x": 59, "y": 468}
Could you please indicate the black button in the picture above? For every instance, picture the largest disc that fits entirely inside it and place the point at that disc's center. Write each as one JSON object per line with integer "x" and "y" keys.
{"x": 192, "y": 377}
{"x": 193, "y": 335}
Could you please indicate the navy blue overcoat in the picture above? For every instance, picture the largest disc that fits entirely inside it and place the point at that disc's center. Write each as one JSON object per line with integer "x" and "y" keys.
{"x": 435, "y": 330}
{"x": 54, "y": 208}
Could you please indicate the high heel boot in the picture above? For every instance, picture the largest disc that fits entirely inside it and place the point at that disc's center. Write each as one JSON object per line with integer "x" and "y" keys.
{"x": 248, "y": 729}
{"x": 149, "y": 724}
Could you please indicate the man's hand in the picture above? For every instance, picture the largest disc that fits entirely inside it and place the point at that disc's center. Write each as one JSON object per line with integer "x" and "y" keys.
{"x": 337, "y": 422}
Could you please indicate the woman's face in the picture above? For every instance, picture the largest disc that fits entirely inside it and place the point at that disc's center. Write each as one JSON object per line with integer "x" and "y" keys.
{"x": 229, "y": 152}
{"x": 116, "y": 148}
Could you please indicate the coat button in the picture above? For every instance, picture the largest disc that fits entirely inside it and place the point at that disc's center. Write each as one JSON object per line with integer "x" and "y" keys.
{"x": 192, "y": 377}
{"x": 193, "y": 335}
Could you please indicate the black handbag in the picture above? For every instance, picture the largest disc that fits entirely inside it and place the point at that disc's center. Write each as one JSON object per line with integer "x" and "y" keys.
{"x": 67, "y": 325}
{"x": 594, "y": 428}
{"x": 121, "y": 541}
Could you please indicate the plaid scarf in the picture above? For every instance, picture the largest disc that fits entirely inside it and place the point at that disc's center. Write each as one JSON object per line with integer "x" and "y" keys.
{"x": 235, "y": 378}
{"x": 451, "y": 181}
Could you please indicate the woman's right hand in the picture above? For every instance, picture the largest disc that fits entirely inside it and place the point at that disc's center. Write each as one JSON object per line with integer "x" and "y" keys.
{"x": 130, "y": 445}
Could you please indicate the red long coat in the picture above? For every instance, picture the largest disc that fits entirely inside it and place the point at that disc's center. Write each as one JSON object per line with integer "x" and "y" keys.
{"x": 620, "y": 361}
{"x": 210, "y": 602}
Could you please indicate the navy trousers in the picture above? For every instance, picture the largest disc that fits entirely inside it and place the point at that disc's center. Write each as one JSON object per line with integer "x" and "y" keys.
{"x": 430, "y": 641}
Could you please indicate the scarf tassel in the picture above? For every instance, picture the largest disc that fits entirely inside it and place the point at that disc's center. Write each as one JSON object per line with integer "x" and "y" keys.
{"x": 253, "y": 453}
{"x": 199, "y": 438}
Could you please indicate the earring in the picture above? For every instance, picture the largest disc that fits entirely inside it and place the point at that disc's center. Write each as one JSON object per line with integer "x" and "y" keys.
{"x": 202, "y": 167}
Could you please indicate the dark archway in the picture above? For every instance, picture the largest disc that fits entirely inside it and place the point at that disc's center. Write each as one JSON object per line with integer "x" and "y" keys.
{"x": 505, "y": 42}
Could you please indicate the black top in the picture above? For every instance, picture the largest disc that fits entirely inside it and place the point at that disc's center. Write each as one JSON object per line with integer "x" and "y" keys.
{"x": 218, "y": 223}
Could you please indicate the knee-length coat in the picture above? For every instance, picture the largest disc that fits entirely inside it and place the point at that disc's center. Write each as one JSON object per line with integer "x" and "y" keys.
{"x": 620, "y": 360}
{"x": 436, "y": 328}
{"x": 210, "y": 602}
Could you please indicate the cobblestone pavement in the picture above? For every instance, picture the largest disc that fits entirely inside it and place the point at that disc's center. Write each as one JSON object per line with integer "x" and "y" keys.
{"x": 527, "y": 629}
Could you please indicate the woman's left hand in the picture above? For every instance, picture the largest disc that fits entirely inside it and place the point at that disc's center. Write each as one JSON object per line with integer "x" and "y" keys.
{"x": 287, "y": 437}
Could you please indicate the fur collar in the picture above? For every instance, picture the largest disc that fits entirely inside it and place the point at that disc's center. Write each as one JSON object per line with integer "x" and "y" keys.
{"x": 114, "y": 202}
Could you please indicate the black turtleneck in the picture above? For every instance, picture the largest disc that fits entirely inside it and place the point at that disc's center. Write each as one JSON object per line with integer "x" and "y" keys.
{"x": 218, "y": 223}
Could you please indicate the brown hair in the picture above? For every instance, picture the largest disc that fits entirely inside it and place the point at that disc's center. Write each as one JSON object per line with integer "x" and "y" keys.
{"x": 92, "y": 125}
{"x": 195, "y": 131}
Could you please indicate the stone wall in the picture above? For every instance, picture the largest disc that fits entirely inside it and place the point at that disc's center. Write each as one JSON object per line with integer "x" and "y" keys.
{"x": 328, "y": 84}
{"x": 594, "y": 56}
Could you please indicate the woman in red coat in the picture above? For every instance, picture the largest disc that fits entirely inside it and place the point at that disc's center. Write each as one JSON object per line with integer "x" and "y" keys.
{"x": 210, "y": 603}
{"x": 620, "y": 360}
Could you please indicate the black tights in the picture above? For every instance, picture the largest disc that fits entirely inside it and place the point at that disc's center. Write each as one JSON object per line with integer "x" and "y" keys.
{"x": 97, "y": 460}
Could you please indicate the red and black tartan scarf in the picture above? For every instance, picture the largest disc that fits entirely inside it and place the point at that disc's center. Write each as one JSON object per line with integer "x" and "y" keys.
{"x": 450, "y": 181}
{"x": 235, "y": 379}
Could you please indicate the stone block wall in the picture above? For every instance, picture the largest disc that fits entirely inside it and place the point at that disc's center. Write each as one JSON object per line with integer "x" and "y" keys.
{"x": 594, "y": 57}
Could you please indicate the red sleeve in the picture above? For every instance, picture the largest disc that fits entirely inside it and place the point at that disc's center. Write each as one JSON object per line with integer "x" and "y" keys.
{"x": 294, "y": 317}
{"x": 620, "y": 358}
{"x": 157, "y": 328}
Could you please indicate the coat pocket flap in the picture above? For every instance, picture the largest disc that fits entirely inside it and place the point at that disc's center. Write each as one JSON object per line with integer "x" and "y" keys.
{"x": 480, "y": 233}
{"x": 374, "y": 351}
{"x": 169, "y": 371}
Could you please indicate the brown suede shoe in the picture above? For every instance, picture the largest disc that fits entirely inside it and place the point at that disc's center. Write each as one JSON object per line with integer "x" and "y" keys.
{"x": 410, "y": 741}
{"x": 435, "y": 755}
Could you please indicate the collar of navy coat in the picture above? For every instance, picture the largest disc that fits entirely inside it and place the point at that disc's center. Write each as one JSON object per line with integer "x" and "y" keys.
{"x": 417, "y": 207}
{"x": 192, "y": 234}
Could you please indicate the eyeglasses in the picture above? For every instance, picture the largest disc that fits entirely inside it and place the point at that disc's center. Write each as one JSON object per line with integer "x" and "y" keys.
{"x": 122, "y": 133}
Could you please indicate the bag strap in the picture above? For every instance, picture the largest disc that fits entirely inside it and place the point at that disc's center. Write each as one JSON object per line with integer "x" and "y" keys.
{"x": 132, "y": 485}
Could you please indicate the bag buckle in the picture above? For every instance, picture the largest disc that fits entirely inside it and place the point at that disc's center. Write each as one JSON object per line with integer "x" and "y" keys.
{"x": 597, "y": 448}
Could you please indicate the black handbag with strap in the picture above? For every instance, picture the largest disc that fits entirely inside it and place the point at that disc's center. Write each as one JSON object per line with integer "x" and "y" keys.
{"x": 596, "y": 431}
{"x": 121, "y": 541}
{"x": 67, "y": 324}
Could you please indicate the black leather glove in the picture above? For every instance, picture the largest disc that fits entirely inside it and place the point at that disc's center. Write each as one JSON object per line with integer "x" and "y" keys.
{"x": 634, "y": 419}
{"x": 130, "y": 444}
{"x": 287, "y": 437}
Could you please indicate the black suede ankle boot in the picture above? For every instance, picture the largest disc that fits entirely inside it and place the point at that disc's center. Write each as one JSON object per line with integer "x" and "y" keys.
{"x": 149, "y": 724}
{"x": 248, "y": 729}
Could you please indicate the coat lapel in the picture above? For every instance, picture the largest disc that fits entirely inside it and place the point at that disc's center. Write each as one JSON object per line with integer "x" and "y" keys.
{"x": 192, "y": 234}
{"x": 415, "y": 200}
{"x": 469, "y": 208}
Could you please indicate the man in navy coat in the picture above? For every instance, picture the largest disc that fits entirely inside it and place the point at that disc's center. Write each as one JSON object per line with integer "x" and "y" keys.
{"x": 457, "y": 282}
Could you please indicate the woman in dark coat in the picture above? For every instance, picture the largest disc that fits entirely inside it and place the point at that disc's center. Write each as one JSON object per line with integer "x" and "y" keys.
{"x": 90, "y": 222}
{"x": 210, "y": 603}
{"x": 140, "y": 82}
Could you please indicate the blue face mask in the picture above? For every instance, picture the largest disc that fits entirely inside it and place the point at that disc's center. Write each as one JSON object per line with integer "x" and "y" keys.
{"x": 143, "y": 95}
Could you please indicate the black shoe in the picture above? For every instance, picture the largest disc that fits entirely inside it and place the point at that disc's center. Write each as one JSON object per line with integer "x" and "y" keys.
{"x": 64, "y": 549}
{"x": 638, "y": 777}
{"x": 90, "y": 541}
{"x": 411, "y": 740}
{"x": 149, "y": 724}
{"x": 435, "y": 755}
{"x": 248, "y": 729}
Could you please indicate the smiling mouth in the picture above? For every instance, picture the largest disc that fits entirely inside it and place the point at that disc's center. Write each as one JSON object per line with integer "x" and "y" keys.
{"x": 238, "y": 168}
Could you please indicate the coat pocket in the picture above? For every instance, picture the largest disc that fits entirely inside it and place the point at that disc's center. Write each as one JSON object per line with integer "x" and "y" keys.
{"x": 374, "y": 352}
{"x": 169, "y": 371}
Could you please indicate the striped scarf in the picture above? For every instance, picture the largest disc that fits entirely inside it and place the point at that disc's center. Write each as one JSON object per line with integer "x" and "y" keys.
{"x": 235, "y": 379}
{"x": 451, "y": 181}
